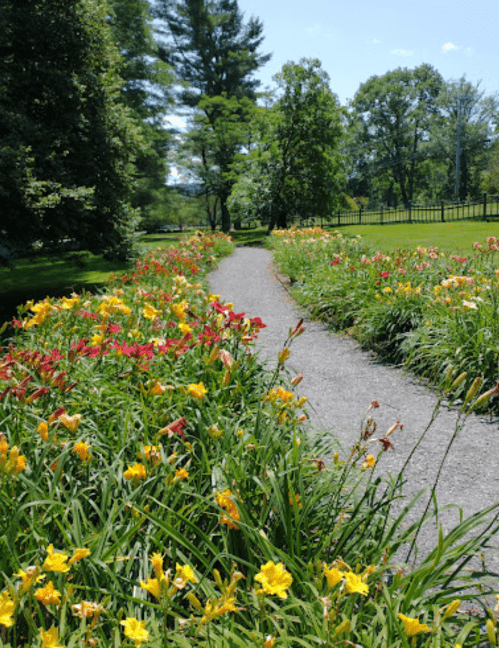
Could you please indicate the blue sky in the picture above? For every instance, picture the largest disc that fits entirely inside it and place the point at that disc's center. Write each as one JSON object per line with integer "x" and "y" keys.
{"x": 356, "y": 39}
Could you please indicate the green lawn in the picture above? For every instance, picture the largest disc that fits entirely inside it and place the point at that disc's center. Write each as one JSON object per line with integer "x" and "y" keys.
{"x": 48, "y": 276}
{"x": 36, "y": 278}
{"x": 457, "y": 237}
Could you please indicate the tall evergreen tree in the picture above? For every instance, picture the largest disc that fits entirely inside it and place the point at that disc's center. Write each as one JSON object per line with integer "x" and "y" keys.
{"x": 146, "y": 91}
{"x": 66, "y": 143}
{"x": 216, "y": 54}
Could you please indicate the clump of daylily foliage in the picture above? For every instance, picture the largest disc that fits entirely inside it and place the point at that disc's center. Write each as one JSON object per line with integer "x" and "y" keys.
{"x": 157, "y": 487}
{"x": 421, "y": 307}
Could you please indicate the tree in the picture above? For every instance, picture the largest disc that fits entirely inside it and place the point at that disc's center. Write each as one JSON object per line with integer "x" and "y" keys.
{"x": 147, "y": 92}
{"x": 462, "y": 141}
{"x": 66, "y": 142}
{"x": 215, "y": 54}
{"x": 392, "y": 117}
{"x": 295, "y": 168}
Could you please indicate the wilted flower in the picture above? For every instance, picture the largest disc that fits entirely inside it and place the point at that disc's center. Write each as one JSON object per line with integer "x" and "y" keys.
{"x": 86, "y": 609}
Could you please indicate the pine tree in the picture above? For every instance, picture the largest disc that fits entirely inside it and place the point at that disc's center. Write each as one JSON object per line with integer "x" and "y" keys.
{"x": 216, "y": 54}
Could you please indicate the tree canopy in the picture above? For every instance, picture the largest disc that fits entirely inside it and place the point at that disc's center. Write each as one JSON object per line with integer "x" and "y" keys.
{"x": 392, "y": 117}
{"x": 67, "y": 143}
{"x": 294, "y": 169}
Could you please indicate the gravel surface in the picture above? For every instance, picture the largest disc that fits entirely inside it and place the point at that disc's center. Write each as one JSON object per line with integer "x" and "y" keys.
{"x": 341, "y": 380}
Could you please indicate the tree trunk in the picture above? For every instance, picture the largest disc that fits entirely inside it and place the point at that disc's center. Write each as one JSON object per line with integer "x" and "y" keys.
{"x": 225, "y": 215}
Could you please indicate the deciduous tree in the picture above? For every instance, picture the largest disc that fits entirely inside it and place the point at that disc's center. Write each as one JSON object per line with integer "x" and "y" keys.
{"x": 392, "y": 117}
{"x": 294, "y": 170}
{"x": 66, "y": 141}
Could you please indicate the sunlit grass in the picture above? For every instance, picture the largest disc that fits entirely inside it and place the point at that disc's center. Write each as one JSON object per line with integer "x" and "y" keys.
{"x": 456, "y": 237}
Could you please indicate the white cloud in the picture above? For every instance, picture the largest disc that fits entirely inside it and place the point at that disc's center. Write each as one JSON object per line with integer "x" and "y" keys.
{"x": 316, "y": 29}
{"x": 176, "y": 121}
{"x": 374, "y": 41}
{"x": 400, "y": 52}
{"x": 448, "y": 47}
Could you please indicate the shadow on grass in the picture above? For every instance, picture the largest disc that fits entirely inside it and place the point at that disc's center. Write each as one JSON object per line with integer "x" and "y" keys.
{"x": 51, "y": 276}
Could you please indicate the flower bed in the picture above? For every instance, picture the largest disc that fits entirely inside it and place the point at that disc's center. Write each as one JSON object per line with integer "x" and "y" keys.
{"x": 426, "y": 309}
{"x": 157, "y": 489}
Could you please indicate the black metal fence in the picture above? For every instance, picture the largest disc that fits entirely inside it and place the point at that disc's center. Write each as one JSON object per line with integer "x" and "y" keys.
{"x": 487, "y": 208}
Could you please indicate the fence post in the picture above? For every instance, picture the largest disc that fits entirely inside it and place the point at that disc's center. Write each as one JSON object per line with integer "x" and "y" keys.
{"x": 442, "y": 211}
{"x": 360, "y": 215}
{"x": 339, "y": 216}
{"x": 484, "y": 206}
{"x": 381, "y": 214}
{"x": 410, "y": 212}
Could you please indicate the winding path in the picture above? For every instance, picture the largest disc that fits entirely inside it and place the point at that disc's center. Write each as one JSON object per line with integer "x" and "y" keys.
{"x": 341, "y": 380}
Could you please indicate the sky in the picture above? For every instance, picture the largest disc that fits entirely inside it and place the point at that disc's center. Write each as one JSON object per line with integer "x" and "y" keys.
{"x": 356, "y": 39}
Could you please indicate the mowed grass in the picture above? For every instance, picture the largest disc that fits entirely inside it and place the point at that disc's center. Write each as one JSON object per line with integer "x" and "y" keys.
{"x": 457, "y": 237}
{"x": 45, "y": 276}
{"x": 42, "y": 276}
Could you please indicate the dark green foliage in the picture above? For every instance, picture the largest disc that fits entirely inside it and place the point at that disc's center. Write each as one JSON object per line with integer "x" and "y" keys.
{"x": 390, "y": 124}
{"x": 66, "y": 143}
{"x": 146, "y": 92}
{"x": 211, "y": 48}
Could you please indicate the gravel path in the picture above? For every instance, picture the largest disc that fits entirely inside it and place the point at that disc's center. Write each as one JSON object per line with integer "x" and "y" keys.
{"x": 341, "y": 380}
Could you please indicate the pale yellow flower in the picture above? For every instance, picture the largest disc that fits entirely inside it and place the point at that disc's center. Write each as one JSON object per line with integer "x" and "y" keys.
{"x": 86, "y": 609}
